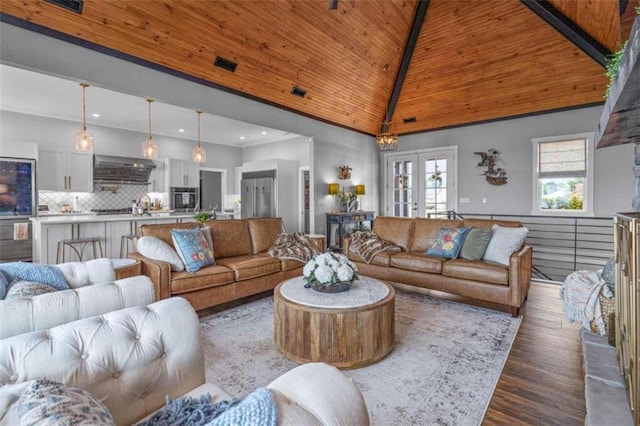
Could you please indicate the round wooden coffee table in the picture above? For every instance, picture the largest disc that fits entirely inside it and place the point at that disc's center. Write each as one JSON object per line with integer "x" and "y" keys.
{"x": 348, "y": 330}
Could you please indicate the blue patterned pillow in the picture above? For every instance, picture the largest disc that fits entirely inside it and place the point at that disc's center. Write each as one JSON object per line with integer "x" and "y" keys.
{"x": 193, "y": 249}
{"x": 45, "y": 274}
{"x": 608, "y": 272}
{"x": 4, "y": 283}
{"x": 449, "y": 242}
{"x": 47, "y": 402}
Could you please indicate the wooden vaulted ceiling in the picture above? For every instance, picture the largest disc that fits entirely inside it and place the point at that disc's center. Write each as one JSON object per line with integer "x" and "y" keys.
{"x": 474, "y": 60}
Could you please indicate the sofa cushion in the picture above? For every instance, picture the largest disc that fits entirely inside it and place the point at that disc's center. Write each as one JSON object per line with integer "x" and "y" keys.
{"x": 163, "y": 231}
{"x": 263, "y": 233}
{"x": 289, "y": 264}
{"x": 425, "y": 232}
{"x": 156, "y": 249}
{"x": 47, "y": 402}
{"x": 418, "y": 262}
{"x": 476, "y": 270}
{"x": 251, "y": 266}
{"x": 211, "y": 276}
{"x": 20, "y": 289}
{"x": 95, "y": 271}
{"x": 230, "y": 238}
{"x": 193, "y": 249}
{"x": 380, "y": 259}
{"x": 475, "y": 243}
{"x": 448, "y": 243}
{"x": 504, "y": 242}
{"x": 396, "y": 230}
{"x": 488, "y": 223}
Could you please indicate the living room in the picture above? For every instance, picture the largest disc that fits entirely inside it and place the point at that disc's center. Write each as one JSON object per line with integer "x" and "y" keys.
{"x": 328, "y": 146}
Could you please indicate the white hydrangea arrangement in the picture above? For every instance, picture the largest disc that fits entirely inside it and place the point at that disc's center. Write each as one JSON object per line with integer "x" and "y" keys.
{"x": 329, "y": 269}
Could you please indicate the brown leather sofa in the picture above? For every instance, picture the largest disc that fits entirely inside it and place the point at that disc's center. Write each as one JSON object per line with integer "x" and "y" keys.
{"x": 242, "y": 268}
{"x": 475, "y": 279}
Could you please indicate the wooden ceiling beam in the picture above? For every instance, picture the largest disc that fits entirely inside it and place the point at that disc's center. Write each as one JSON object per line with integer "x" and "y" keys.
{"x": 569, "y": 29}
{"x": 416, "y": 26}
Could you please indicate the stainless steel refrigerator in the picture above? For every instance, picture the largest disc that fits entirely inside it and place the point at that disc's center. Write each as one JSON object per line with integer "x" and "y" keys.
{"x": 18, "y": 200}
{"x": 258, "y": 197}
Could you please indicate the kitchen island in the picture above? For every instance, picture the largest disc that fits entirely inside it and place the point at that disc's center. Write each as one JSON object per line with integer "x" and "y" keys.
{"x": 48, "y": 230}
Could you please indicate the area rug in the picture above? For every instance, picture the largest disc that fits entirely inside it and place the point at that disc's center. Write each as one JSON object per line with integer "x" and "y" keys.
{"x": 442, "y": 371}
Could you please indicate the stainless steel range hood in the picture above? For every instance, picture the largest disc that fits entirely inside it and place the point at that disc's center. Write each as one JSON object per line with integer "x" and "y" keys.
{"x": 122, "y": 170}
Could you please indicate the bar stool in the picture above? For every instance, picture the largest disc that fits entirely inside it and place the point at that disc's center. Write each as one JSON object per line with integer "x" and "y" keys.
{"x": 78, "y": 245}
{"x": 124, "y": 244}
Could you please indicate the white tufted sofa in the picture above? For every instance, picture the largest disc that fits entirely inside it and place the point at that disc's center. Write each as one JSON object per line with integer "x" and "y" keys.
{"x": 132, "y": 358}
{"x": 94, "y": 291}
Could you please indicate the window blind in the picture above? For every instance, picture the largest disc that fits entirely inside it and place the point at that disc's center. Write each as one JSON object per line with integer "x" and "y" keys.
{"x": 562, "y": 159}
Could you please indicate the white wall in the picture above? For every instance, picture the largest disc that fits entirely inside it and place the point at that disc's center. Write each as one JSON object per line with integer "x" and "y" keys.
{"x": 295, "y": 149}
{"x": 613, "y": 190}
{"x": 18, "y": 129}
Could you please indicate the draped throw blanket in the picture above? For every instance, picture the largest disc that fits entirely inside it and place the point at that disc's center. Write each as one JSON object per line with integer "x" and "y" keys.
{"x": 45, "y": 274}
{"x": 257, "y": 408}
{"x": 367, "y": 244}
{"x": 293, "y": 245}
{"x": 580, "y": 294}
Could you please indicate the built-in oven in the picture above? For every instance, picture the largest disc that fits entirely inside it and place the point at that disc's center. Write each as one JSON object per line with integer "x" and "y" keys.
{"x": 183, "y": 199}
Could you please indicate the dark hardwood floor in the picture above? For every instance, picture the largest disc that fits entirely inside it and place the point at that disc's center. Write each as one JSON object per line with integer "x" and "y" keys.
{"x": 542, "y": 382}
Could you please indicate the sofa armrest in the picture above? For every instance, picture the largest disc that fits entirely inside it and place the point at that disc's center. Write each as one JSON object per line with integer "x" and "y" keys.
{"x": 520, "y": 275}
{"x": 346, "y": 241}
{"x": 325, "y": 392}
{"x": 158, "y": 271}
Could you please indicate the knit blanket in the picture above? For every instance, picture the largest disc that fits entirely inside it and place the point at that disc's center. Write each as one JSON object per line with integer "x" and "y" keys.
{"x": 257, "y": 408}
{"x": 367, "y": 244}
{"x": 293, "y": 245}
{"x": 580, "y": 295}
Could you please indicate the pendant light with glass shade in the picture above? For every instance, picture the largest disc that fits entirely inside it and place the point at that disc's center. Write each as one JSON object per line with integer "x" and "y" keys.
{"x": 149, "y": 148}
{"x": 84, "y": 140}
{"x": 199, "y": 154}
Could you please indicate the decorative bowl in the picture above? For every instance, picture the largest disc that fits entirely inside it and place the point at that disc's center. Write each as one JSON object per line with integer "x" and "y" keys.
{"x": 330, "y": 288}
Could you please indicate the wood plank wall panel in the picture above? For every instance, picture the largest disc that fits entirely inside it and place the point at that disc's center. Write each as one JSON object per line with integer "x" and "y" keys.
{"x": 337, "y": 56}
{"x": 605, "y": 28}
{"x": 489, "y": 59}
{"x": 475, "y": 60}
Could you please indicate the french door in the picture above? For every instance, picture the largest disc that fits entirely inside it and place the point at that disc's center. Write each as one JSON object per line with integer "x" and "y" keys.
{"x": 421, "y": 184}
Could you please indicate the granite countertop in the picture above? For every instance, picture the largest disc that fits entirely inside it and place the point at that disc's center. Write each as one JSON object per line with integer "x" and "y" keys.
{"x": 83, "y": 217}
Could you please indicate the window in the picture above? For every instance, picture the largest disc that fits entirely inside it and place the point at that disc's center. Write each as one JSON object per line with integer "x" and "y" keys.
{"x": 563, "y": 175}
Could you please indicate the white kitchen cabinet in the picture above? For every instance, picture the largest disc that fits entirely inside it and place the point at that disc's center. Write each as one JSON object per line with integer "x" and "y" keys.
{"x": 51, "y": 234}
{"x": 157, "y": 180}
{"x": 113, "y": 237}
{"x": 65, "y": 170}
{"x": 183, "y": 173}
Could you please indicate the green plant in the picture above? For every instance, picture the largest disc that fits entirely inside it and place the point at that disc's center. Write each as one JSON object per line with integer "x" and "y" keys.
{"x": 612, "y": 65}
{"x": 202, "y": 216}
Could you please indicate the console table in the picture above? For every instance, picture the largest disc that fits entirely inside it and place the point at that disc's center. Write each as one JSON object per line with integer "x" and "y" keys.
{"x": 342, "y": 219}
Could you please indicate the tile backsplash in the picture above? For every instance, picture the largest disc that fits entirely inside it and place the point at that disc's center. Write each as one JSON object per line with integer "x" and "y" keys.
{"x": 102, "y": 197}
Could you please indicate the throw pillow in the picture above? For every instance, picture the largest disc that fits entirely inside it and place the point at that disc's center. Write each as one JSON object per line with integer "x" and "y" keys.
{"x": 449, "y": 242}
{"x": 156, "y": 249}
{"x": 504, "y": 242}
{"x": 193, "y": 249}
{"x": 4, "y": 283}
{"x": 206, "y": 231}
{"x": 21, "y": 289}
{"x": 45, "y": 274}
{"x": 51, "y": 403}
{"x": 475, "y": 243}
{"x": 608, "y": 272}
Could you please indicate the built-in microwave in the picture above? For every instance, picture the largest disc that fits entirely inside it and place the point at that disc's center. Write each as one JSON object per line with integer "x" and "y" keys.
{"x": 183, "y": 199}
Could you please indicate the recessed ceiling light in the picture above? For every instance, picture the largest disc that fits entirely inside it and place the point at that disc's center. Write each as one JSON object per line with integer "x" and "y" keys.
{"x": 241, "y": 137}
{"x": 95, "y": 115}
{"x": 181, "y": 130}
{"x": 264, "y": 133}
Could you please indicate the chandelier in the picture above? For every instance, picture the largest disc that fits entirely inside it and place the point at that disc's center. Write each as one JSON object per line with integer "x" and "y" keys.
{"x": 149, "y": 147}
{"x": 387, "y": 138}
{"x": 199, "y": 154}
{"x": 84, "y": 140}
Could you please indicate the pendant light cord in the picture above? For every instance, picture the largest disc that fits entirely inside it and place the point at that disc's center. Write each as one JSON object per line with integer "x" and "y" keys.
{"x": 199, "y": 112}
{"x": 84, "y": 107}
{"x": 149, "y": 101}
